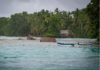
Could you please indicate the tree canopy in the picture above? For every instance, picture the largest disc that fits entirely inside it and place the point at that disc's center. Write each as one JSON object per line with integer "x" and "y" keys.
{"x": 80, "y": 22}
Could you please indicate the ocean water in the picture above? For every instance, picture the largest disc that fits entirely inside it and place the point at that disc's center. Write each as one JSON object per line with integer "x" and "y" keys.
{"x": 48, "y": 57}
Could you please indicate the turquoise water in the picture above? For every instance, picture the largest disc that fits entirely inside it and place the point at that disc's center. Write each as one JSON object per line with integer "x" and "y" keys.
{"x": 48, "y": 57}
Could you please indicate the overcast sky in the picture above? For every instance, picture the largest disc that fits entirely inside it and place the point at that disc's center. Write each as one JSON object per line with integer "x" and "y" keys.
{"x": 8, "y": 7}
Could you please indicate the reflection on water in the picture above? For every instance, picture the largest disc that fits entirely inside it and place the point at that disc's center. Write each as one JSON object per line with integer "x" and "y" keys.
{"x": 36, "y": 57}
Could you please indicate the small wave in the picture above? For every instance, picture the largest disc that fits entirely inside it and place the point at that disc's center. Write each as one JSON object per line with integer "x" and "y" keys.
{"x": 10, "y": 57}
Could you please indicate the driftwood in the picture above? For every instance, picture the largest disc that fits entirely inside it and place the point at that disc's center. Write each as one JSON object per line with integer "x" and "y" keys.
{"x": 29, "y": 37}
{"x": 47, "y": 39}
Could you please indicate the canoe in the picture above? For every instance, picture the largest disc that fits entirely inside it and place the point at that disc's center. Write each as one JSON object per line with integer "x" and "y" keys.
{"x": 72, "y": 44}
{"x": 85, "y": 44}
{"x": 65, "y": 44}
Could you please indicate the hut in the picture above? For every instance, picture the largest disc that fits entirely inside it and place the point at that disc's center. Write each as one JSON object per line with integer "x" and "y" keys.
{"x": 47, "y": 39}
{"x": 64, "y": 33}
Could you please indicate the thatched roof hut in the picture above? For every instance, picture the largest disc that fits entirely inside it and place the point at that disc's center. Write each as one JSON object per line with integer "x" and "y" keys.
{"x": 64, "y": 33}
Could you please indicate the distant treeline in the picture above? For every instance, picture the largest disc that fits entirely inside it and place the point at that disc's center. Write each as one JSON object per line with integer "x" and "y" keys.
{"x": 80, "y": 23}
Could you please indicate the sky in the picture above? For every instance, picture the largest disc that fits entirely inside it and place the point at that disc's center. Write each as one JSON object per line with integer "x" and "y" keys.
{"x": 9, "y": 7}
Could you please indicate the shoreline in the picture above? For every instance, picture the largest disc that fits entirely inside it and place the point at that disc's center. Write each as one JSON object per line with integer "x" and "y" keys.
{"x": 31, "y": 42}
{"x": 23, "y": 40}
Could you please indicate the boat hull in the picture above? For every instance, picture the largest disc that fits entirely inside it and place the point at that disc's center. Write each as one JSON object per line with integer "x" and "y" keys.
{"x": 65, "y": 44}
{"x": 72, "y": 44}
{"x": 85, "y": 44}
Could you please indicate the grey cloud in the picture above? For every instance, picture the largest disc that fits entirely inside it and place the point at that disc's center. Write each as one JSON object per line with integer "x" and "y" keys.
{"x": 8, "y": 7}
{"x": 71, "y": 5}
{"x": 5, "y": 5}
{"x": 23, "y": 0}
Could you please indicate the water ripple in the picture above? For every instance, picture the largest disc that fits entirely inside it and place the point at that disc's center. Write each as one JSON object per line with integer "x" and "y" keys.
{"x": 36, "y": 57}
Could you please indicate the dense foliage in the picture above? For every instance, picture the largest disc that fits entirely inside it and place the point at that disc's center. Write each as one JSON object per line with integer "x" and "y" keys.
{"x": 92, "y": 11}
{"x": 80, "y": 23}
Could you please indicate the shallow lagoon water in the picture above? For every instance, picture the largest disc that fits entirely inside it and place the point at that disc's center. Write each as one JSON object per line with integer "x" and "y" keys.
{"x": 51, "y": 57}
{"x": 48, "y": 56}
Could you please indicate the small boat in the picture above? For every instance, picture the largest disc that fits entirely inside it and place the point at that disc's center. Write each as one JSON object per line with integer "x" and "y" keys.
{"x": 72, "y": 44}
{"x": 85, "y": 44}
{"x": 66, "y": 44}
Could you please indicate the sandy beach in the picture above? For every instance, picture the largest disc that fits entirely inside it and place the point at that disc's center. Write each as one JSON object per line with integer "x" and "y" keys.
{"x": 37, "y": 41}
{"x": 24, "y": 41}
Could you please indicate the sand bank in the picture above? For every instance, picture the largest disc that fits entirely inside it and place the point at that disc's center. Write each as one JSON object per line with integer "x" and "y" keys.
{"x": 31, "y": 42}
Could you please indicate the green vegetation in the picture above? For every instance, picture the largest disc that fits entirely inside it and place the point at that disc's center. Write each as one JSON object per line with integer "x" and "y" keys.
{"x": 92, "y": 11}
{"x": 80, "y": 23}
